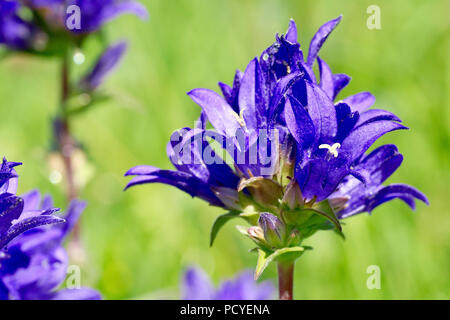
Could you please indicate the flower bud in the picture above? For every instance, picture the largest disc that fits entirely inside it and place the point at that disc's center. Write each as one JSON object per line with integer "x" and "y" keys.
{"x": 293, "y": 197}
{"x": 339, "y": 204}
{"x": 273, "y": 228}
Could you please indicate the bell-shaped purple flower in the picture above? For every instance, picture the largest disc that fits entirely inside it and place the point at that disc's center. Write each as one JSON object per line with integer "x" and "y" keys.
{"x": 14, "y": 218}
{"x": 196, "y": 285}
{"x": 36, "y": 262}
{"x": 49, "y": 19}
{"x": 274, "y": 229}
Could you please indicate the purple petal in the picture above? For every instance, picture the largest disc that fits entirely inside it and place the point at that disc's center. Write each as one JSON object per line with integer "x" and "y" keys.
{"x": 77, "y": 294}
{"x": 11, "y": 208}
{"x": 299, "y": 123}
{"x": 346, "y": 121}
{"x": 32, "y": 200}
{"x": 376, "y": 115}
{"x": 74, "y": 211}
{"x": 190, "y": 151}
{"x": 320, "y": 177}
{"x": 244, "y": 287}
{"x": 282, "y": 87}
{"x": 380, "y": 164}
{"x": 218, "y": 111}
{"x": 196, "y": 285}
{"x": 340, "y": 82}
{"x": 181, "y": 180}
{"x": 231, "y": 95}
{"x": 322, "y": 112}
{"x": 291, "y": 33}
{"x": 401, "y": 191}
{"x": 326, "y": 78}
{"x": 362, "y": 137}
{"x": 141, "y": 170}
{"x": 319, "y": 38}
{"x": 252, "y": 95}
{"x": 202, "y": 121}
{"x": 25, "y": 225}
{"x": 360, "y": 102}
{"x": 104, "y": 66}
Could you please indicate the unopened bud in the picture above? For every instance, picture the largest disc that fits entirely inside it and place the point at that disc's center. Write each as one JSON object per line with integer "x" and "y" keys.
{"x": 273, "y": 228}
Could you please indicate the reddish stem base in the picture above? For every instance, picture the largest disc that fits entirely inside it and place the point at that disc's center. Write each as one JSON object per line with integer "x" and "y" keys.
{"x": 285, "y": 280}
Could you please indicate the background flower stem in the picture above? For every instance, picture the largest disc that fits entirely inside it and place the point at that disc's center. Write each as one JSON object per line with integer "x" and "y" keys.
{"x": 285, "y": 280}
{"x": 65, "y": 140}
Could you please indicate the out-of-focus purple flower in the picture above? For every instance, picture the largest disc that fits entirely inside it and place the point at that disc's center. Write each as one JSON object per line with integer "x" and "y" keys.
{"x": 49, "y": 18}
{"x": 15, "y": 32}
{"x": 104, "y": 65}
{"x": 14, "y": 218}
{"x": 197, "y": 286}
{"x": 36, "y": 262}
{"x": 95, "y": 13}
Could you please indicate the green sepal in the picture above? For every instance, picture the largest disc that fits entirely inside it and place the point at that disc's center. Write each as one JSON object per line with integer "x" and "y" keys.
{"x": 285, "y": 254}
{"x": 220, "y": 222}
{"x": 324, "y": 209}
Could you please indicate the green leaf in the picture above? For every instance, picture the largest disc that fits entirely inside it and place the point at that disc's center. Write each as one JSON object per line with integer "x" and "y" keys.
{"x": 266, "y": 257}
{"x": 324, "y": 209}
{"x": 220, "y": 222}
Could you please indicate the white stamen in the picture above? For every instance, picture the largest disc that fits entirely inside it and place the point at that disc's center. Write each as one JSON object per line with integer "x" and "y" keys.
{"x": 331, "y": 149}
{"x": 240, "y": 118}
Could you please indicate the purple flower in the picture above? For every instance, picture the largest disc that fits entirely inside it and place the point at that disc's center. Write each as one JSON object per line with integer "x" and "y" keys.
{"x": 15, "y": 219}
{"x": 198, "y": 286}
{"x": 49, "y": 17}
{"x": 95, "y": 13}
{"x": 299, "y": 158}
{"x": 36, "y": 262}
{"x": 14, "y": 31}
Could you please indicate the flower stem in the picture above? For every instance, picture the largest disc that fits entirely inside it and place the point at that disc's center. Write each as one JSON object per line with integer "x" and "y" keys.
{"x": 285, "y": 280}
{"x": 65, "y": 140}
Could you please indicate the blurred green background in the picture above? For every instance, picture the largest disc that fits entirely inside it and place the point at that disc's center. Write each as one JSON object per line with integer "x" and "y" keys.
{"x": 138, "y": 242}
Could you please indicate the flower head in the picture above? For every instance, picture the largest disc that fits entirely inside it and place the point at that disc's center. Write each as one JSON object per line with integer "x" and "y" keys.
{"x": 198, "y": 286}
{"x": 15, "y": 218}
{"x": 36, "y": 262}
{"x": 299, "y": 160}
{"x": 46, "y": 26}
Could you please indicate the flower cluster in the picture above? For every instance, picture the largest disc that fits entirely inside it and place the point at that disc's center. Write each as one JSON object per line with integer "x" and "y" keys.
{"x": 15, "y": 217}
{"x": 38, "y": 26}
{"x": 308, "y": 169}
{"x": 33, "y": 262}
{"x": 198, "y": 286}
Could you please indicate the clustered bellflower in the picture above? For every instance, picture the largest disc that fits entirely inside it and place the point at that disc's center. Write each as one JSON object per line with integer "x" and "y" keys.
{"x": 15, "y": 218}
{"x": 197, "y": 285}
{"x": 299, "y": 161}
{"x": 39, "y": 26}
{"x": 33, "y": 261}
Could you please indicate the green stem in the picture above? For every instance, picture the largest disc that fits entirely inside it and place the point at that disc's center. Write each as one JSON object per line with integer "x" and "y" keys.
{"x": 285, "y": 280}
{"x": 65, "y": 140}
